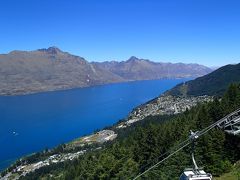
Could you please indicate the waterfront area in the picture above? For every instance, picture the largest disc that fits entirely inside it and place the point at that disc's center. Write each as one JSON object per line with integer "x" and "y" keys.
{"x": 163, "y": 105}
{"x": 23, "y": 168}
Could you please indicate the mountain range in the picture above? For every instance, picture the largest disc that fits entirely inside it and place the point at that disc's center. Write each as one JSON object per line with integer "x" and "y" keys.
{"x": 24, "y": 72}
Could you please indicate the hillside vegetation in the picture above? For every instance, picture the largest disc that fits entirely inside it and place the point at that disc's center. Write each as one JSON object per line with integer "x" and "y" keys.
{"x": 137, "y": 148}
{"x": 234, "y": 174}
{"x": 215, "y": 83}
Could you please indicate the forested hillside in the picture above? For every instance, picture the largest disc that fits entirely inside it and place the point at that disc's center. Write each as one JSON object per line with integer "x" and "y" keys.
{"x": 215, "y": 83}
{"x": 137, "y": 148}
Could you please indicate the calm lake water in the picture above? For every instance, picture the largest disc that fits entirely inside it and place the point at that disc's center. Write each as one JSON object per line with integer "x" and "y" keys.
{"x": 31, "y": 123}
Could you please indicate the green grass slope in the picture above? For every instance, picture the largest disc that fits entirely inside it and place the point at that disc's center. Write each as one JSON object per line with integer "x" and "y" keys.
{"x": 234, "y": 174}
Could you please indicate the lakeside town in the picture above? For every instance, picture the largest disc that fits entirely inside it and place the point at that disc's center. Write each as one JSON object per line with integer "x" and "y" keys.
{"x": 24, "y": 168}
{"x": 163, "y": 105}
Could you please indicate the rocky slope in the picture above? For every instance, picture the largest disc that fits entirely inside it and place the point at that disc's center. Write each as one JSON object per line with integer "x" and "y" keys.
{"x": 23, "y": 72}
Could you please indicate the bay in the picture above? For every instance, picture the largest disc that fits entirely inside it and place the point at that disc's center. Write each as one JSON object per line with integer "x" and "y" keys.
{"x": 31, "y": 123}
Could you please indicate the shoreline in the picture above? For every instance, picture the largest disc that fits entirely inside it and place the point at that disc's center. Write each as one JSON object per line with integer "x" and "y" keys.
{"x": 8, "y": 94}
{"x": 164, "y": 104}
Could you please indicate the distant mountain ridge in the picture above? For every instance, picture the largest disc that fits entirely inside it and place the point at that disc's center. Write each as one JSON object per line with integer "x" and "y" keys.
{"x": 140, "y": 69}
{"x": 215, "y": 83}
{"x": 23, "y": 72}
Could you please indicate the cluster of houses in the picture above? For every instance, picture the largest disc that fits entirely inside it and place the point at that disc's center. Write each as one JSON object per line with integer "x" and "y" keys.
{"x": 163, "y": 105}
{"x": 24, "y": 169}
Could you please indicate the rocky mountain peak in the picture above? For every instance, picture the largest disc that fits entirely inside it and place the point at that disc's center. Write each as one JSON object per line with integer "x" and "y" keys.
{"x": 132, "y": 59}
{"x": 51, "y": 50}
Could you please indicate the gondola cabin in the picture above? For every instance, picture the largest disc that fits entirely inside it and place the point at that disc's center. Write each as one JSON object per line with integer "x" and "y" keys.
{"x": 190, "y": 174}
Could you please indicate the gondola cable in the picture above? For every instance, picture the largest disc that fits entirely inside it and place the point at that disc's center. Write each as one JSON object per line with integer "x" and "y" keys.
{"x": 161, "y": 161}
{"x": 190, "y": 140}
{"x": 164, "y": 154}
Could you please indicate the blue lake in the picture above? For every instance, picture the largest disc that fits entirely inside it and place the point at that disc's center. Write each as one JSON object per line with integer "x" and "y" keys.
{"x": 31, "y": 123}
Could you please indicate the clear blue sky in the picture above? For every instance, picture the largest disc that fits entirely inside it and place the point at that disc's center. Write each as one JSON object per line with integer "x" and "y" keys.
{"x": 199, "y": 31}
